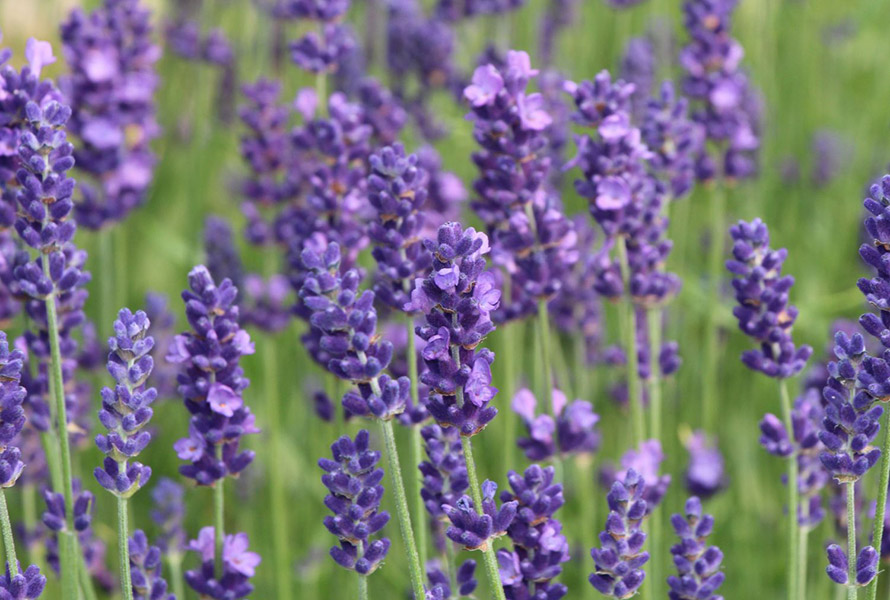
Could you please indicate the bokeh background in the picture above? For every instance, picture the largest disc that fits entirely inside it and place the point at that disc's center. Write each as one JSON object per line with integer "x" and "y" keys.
{"x": 822, "y": 69}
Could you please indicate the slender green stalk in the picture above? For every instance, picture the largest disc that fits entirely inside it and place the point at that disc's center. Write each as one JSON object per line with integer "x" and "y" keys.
{"x": 395, "y": 473}
{"x": 106, "y": 282}
{"x": 8, "y": 541}
{"x": 653, "y": 323}
{"x": 488, "y": 556}
{"x": 280, "y": 529}
{"x": 543, "y": 323}
{"x": 67, "y": 541}
{"x": 711, "y": 362}
{"x": 362, "y": 587}
{"x": 123, "y": 546}
{"x": 802, "y": 548}
{"x": 629, "y": 323}
{"x": 29, "y": 516}
{"x": 219, "y": 498}
{"x": 880, "y": 508}
{"x": 852, "y": 590}
{"x": 420, "y": 516}
{"x": 88, "y": 590}
{"x": 174, "y": 564}
{"x": 793, "y": 499}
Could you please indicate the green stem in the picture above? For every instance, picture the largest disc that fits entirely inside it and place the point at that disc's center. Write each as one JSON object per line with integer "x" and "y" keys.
{"x": 630, "y": 347}
{"x": 852, "y": 590}
{"x": 8, "y": 541}
{"x": 793, "y": 498}
{"x": 280, "y": 529}
{"x": 174, "y": 563}
{"x": 362, "y": 587}
{"x": 488, "y": 556}
{"x": 29, "y": 516}
{"x": 883, "y": 482}
{"x": 653, "y": 323}
{"x": 124, "y": 547}
{"x": 219, "y": 499}
{"x": 711, "y": 363}
{"x": 543, "y": 322}
{"x": 67, "y": 541}
{"x": 106, "y": 282}
{"x": 802, "y": 562}
{"x": 86, "y": 579}
{"x": 417, "y": 450}
{"x": 395, "y": 473}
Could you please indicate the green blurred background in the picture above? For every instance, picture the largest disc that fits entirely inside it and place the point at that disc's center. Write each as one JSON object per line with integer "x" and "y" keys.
{"x": 822, "y": 65}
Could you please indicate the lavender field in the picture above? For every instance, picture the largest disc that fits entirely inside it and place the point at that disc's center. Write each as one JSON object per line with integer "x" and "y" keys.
{"x": 444, "y": 299}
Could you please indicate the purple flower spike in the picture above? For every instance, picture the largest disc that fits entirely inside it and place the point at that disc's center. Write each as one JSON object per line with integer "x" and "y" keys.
{"x": 539, "y": 547}
{"x": 866, "y": 565}
{"x": 168, "y": 514}
{"x": 574, "y": 429}
{"x": 440, "y": 584}
{"x": 145, "y": 569}
{"x": 239, "y": 566}
{"x": 474, "y": 530}
{"x": 111, "y": 89}
{"x": 457, "y": 298}
{"x": 211, "y": 381}
{"x": 444, "y": 473}
{"x": 763, "y": 312}
{"x": 852, "y": 416}
{"x": 698, "y": 565}
{"x": 353, "y": 480}
{"x": 12, "y": 415}
{"x": 619, "y": 560}
{"x": 674, "y": 139}
{"x": 645, "y": 463}
{"x": 705, "y": 475}
{"x": 126, "y": 409}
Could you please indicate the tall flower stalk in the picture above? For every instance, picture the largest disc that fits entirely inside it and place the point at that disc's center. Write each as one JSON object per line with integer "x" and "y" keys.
{"x": 125, "y": 412}
{"x": 764, "y": 314}
{"x": 457, "y": 299}
{"x": 345, "y": 324}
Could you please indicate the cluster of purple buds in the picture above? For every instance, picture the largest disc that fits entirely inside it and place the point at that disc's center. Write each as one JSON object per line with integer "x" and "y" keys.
{"x": 698, "y": 565}
{"x": 877, "y": 289}
{"x": 474, "y": 530}
{"x": 12, "y": 415}
{"x": 763, "y": 312}
{"x": 27, "y": 585}
{"x": 728, "y": 109}
{"x": 221, "y": 256}
{"x": 168, "y": 515}
{"x": 457, "y": 299}
{"x": 55, "y": 513}
{"x": 323, "y": 50}
{"x": 211, "y": 381}
{"x": 866, "y": 565}
{"x": 444, "y": 473}
{"x": 163, "y": 326}
{"x": 619, "y": 561}
{"x": 185, "y": 39}
{"x": 397, "y": 192}
{"x": 353, "y": 480}
{"x": 345, "y": 323}
{"x": 440, "y": 584}
{"x": 238, "y": 566}
{"x": 645, "y": 461}
{"x": 126, "y": 409}
{"x": 706, "y": 473}
{"x": 145, "y": 569}
{"x": 539, "y": 547}
{"x": 111, "y": 90}
{"x": 673, "y": 138}
{"x": 454, "y": 10}
{"x": 852, "y": 418}
{"x": 571, "y": 429}
{"x": 638, "y": 69}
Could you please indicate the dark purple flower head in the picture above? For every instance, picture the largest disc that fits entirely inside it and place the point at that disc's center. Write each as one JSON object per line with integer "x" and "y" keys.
{"x": 638, "y": 70}
{"x": 877, "y": 289}
{"x": 705, "y": 474}
{"x": 12, "y": 415}
{"x": 126, "y": 409}
{"x": 852, "y": 416}
{"x": 674, "y": 139}
{"x": 322, "y": 51}
{"x": 397, "y": 192}
{"x": 353, "y": 480}
{"x": 474, "y": 530}
{"x": 572, "y": 432}
{"x": 619, "y": 561}
{"x": 27, "y": 585}
{"x": 211, "y": 380}
{"x": 221, "y": 254}
{"x": 698, "y": 565}
{"x": 56, "y": 511}
{"x": 439, "y": 587}
{"x": 866, "y": 565}
{"x": 111, "y": 88}
{"x": 145, "y": 569}
{"x": 444, "y": 473}
{"x": 168, "y": 515}
{"x": 457, "y": 298}
{"x": 763, "y": 312}
{"x": 239, "y": 566}
{"x": 310, "y": 10}
{"x": 645, "y": 462}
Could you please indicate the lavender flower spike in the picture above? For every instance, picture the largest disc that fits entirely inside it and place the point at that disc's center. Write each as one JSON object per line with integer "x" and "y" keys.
{"x": 353, "y": 480}
{"x": 698, "y": 565}
{"x": 238, "y": 566}
{"x": 211, "y": 381}
{"x": 474, "y": 530}
{"x": 866, "y": 565}
{"x": 145, "y": 569}
{"x": 572, "y": 432}
{"x": 619, "y": 560}
{"x": 763, "y": 312}
{"x": 12, "y": 415}
{"x": 126, "y": 410}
